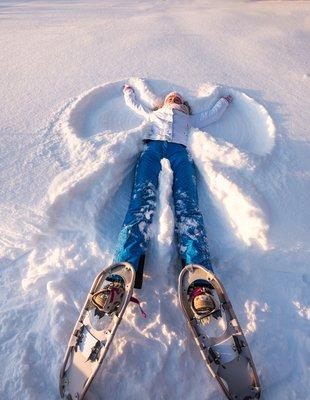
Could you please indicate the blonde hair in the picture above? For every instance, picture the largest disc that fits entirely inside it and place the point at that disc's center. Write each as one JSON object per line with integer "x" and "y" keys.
{"x": 160, "y": 105}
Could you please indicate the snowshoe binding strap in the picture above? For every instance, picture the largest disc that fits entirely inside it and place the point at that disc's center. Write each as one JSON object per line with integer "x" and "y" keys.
{"x": 136, "y": 301}
{"x": 108, "y": 299}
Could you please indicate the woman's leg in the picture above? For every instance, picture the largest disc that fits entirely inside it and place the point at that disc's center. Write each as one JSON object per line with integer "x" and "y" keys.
{"x": 192, "y": 238}
{"x": 133, "y": 238}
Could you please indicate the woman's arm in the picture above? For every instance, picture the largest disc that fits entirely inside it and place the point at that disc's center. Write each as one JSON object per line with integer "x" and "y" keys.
{"x": 131, "y": 101}
{"x": 207, "y": 117}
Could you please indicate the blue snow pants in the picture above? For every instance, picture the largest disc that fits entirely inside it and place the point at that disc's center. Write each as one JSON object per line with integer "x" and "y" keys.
{"x": 191, "y": 235}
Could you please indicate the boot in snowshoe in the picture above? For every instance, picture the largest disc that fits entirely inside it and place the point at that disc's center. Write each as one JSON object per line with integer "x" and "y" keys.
{"x": 202, "y": 302}
{"x": 109, "y": 299}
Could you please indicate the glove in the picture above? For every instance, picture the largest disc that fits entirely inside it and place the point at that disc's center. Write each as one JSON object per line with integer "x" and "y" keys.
{"x": 127, "y": 87}
{"x": 229, "y": 98}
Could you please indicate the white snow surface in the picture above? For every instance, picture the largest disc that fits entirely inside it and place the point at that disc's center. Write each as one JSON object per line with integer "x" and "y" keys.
{"x": 68, "y": 150}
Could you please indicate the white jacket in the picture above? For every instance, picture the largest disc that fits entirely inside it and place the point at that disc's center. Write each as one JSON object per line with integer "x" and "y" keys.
{"x": 169, "y": 123}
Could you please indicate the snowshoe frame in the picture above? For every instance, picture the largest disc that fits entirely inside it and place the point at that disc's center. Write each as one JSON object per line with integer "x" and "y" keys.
{"x": 77, "y": 372}
{"x": 238, "y": 378}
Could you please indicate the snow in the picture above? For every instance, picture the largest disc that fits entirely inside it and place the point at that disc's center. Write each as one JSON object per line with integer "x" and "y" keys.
{"x": 68, "y": 148}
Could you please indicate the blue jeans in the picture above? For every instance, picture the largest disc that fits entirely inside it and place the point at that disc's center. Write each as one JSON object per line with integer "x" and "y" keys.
{"x": 191, "y": 234}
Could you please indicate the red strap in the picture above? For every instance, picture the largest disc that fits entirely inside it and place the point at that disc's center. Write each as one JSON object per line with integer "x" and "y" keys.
{"x": 136, "y": 301}
{"x": 112, "y": 293}
{"x": 196, "y": 292}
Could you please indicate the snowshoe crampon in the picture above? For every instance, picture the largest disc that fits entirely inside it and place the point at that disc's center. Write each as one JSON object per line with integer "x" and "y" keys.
{"x": 227, "y": 355}
{"x": 95, "y": 329}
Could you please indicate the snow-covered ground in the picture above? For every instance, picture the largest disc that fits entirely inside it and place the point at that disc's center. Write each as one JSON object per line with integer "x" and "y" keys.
{"x": 68, "y": 148}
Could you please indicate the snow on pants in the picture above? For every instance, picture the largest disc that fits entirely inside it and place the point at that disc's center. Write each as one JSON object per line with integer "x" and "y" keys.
{"x": 191, "y": 235}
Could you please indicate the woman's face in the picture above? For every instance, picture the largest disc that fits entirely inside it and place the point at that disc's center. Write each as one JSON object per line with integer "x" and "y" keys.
{"x": 174, "y": 98}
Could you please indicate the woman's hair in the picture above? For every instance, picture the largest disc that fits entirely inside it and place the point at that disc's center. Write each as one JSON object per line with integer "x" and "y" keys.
{"x": 189, "y": 107}
{"x": 160, "y": 105}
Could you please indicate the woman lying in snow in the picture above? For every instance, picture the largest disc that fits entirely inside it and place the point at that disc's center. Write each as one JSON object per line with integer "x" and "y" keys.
{"x": 168, "y": 139}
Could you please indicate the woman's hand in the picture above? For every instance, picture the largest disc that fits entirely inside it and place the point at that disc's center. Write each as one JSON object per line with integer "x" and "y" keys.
{"x": 127, "y": 87}
{"x": 229, "y": 98}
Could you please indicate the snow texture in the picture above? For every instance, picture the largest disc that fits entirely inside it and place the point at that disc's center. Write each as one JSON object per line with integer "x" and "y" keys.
{"x": 67, "y": 160}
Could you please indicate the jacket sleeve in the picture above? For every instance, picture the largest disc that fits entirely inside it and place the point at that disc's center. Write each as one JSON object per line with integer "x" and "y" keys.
{"x": 131, "y": 101}
{"x": 207, "y": 117}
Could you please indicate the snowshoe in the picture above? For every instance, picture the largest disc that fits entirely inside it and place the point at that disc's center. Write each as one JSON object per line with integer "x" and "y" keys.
{"x": 227, "y": 355}
{"x": 95, "y": 329}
